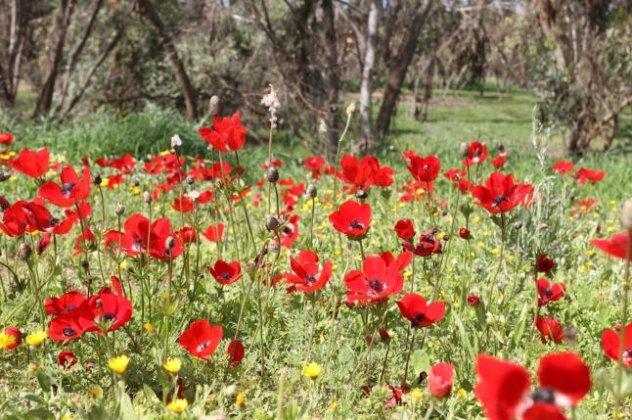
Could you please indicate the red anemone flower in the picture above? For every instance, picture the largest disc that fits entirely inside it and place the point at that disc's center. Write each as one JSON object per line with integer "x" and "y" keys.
{"x": 201, "y": 338}
{"x": 615, "y": 246}
{"x": 229, "y": 135}
{"x": 72, "y": 189}
{"x": 307, "y": 276}
{"x": 290, "y": 231}
{"x": 226, "y": 272}
{"x": 614, "y": 349}
{"x": 6, "y": 138}
{"x": 352, "y": 219}
{"x": 17, "y": 337}
{"x": 427, "y": 244}
{"x": 500, "y": 193}
{"x": 423, "y": 169}
{"x": 66, "y": 303}
{"x": 235, "y": 352}
{"x": 70, "y": 325}
{"x": 405, "y": 229}
{"x": 583, "y": 175}
{"x": 504, "y": 387}
{"x": 548, "y": 292}
{"x": 136, "y": 234}
{"x": 563, "y": 167}
{"x": 459, "y": 179}
{"x": 499, "y": 161}
{"x": 476, "y": 154}
{"x": 377, "y": 280}
{"x": 33, "y": 164}
{"x": 24, "y": 217}
{"x": 550, "y": 329}
{"x": 441, "y": 379}
{"x": 544, "y": 264}
{"x": 66, "y": 359}
{"x": 414, "y": 308}
{"x": 214, "y": 233}
{"x": 109, "y": 309}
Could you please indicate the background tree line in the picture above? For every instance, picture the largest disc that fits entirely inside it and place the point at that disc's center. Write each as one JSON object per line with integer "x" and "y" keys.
{"x": 75, "y": 56}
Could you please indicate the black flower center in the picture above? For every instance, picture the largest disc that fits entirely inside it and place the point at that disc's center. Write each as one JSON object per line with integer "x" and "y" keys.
{"x": 203, "y": 346}
{"x": 547, "y": 291}
{"x": 109, "y": 317}
{"x": 225, "y": 275}
{"x": 376, "y": 285}
{"x": 311, "y": 279}
{"x": 68, "y": 332}
{"x": 419, "y": 318}
{"x": 67, "y": 188}
{"x": 70, "y": 307}
{"x": 543, "y": 395}
{"x": 500, "y": 199}
{"x": 356, "y": 225}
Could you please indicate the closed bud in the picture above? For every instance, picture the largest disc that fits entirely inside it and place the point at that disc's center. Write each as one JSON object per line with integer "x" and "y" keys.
{"x": 501, "y": 149}
{"x": 272, "y": 223}
{"x": 4, "y": 203}
{"x": 24, "y": 251}
{"x": 119, "y": 209}
{"x": 273, "y": 247}
{"x": 626, "y": 215}
{"x": 97, "y": 180}
{"x": 147, "y": 197}
{"x": 312, "y": 192}
{"x": 189, "y": 180}
{"x": 85, "y": 265}
{"x": 518, "y": 225}
{"x": 4, "y": 176}
{"x": 464, "y": 233}
{"x": 273, "y": 175}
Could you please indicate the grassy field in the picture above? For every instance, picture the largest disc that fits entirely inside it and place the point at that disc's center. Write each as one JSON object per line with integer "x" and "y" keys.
{"x": 307, "y": 355}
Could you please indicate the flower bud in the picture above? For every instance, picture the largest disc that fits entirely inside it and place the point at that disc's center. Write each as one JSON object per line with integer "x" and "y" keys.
{"x": 273, "y": 175}
{"x": 626, "y": 215}
{"x": 272, "y": 223}
{"x": 311, "y": 192}
{"x": 24, "y": 251}
{"x": 147, "y": 197}
{"x": 4, "y": 203}
{"x": 85, "y": 265}
{"x": 473, "y": 300}
{"x": 464, "y": 233}
{"x": 4, "y": 176}
{"x": 170, "y": 242}
{"x": 273, "y": 247}
{"x": 351, "y": 108}
{"x": 119, "y": 209}
{"x": 97, "y": 180}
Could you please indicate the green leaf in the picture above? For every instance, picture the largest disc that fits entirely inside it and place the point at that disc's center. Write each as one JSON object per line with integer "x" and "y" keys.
{"x": 520, "y": 326}
{"x": 44, "y": 381}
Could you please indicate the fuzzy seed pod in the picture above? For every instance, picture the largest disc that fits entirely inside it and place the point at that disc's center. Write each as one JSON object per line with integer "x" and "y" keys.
{"x": 272, "y": 223}
{"x": 97, "y": 180}
{"x": 311, "y": 192}
{"x": 119, "y": 209}
{"x": 362, "y": 194}
{"x": 147, "y": 197}
{"x": 24, "y": 252}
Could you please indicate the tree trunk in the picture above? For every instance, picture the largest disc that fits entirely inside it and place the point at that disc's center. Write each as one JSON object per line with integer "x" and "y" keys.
{"x": 86, "y": 82}
{"x": 367, "y": 76}
{"x": 146, "y": 9}
{"x": 10, "y": 70}
{"x": 332, "y": 78}
{"x": 45, "y": 99}
{"x": 398, "y": 67}
{"x": 74, "y": 57}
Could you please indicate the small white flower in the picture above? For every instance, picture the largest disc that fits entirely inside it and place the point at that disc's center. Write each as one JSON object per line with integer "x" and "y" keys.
{"x": 271, "y": 101}
{"x": 193, "y": 195}
{"x": 176, "y": 141}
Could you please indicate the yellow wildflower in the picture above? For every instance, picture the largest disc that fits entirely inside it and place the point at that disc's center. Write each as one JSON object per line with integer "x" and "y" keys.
{"x": 95, "y": 391}
{"x": 119, "y": 364}
{"x": 33, "y": 367}
{"x": 178, "y": 405}
{"x": 334, "y": 406}
{"x": 173, "y": 365}
{"x": 461, "y": 393}
{"x": 240, "y": 399}
{"x": 36, "y": 338}
{"x": 6, "y": 340}
{"x": 312, "y": 371}
{"x": 417, "y": 394}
